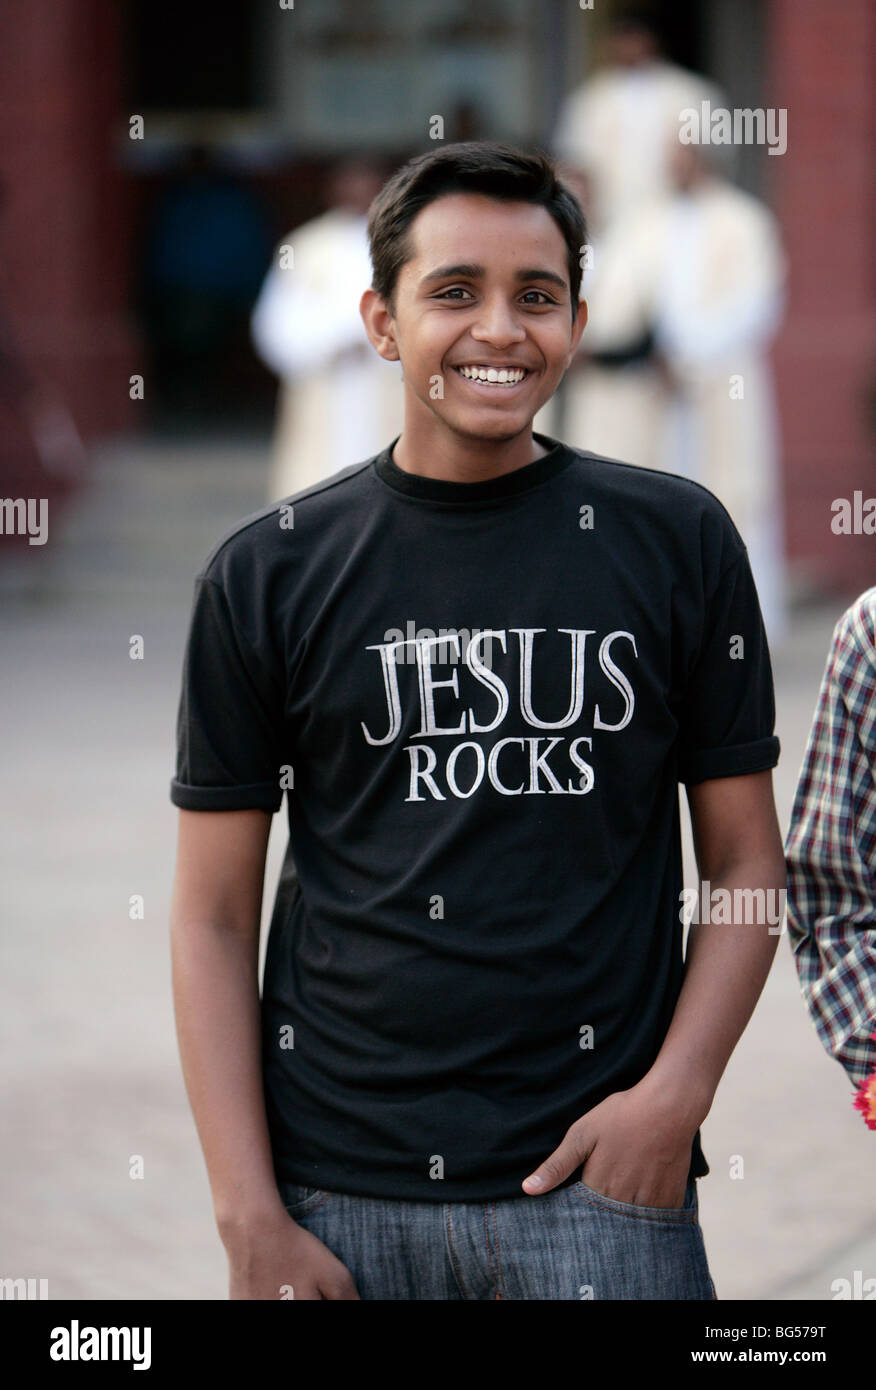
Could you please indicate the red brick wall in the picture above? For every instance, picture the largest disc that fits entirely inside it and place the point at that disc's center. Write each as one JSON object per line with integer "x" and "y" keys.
{"x": 64, "y": 238}
{"x": 819, "y": 66}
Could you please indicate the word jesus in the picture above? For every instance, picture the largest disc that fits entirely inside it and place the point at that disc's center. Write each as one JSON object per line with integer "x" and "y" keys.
{"x": 534, "y": 775}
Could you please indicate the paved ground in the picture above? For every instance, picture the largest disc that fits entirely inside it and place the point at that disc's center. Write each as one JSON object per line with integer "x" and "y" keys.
{"x": 86, "y": 1014}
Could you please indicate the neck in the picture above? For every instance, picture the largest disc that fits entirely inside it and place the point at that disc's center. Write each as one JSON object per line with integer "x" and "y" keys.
{"x": 439, "y": 452}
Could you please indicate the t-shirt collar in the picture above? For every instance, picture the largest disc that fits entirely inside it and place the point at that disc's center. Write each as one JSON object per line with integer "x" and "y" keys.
{"x": 417, "y": 485}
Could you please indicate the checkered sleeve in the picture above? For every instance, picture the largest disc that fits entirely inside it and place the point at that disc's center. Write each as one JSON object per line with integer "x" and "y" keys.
{"x": 831, "y": 848}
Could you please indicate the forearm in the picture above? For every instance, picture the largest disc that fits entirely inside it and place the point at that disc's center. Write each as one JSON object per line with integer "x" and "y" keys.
{"x": 216, "y": 1001}
{"x": 725, "y": 970}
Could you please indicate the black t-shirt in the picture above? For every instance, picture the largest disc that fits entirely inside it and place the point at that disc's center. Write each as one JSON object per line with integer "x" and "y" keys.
{"x": 480, "y": 698}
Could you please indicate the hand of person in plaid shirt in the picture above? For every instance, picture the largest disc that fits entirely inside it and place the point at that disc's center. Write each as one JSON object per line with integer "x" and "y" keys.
{"x": 831, "y": 855}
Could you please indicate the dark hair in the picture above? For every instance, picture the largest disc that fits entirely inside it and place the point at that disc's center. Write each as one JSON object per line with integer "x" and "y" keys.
{"x": 473, "y": 166}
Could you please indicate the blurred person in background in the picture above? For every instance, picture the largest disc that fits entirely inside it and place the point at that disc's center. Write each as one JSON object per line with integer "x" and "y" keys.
{"x": 614, "y": 128}
{"x": 339, "y": 402}
{"x": 831, "y": 855}
{"x": 685, "y": 297}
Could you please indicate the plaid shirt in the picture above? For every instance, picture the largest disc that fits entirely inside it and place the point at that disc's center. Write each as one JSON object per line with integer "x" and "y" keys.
{"x": 831, "y": 848}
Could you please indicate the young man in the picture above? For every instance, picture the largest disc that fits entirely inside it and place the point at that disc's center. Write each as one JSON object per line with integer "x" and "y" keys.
{"x": 480, "y": 662}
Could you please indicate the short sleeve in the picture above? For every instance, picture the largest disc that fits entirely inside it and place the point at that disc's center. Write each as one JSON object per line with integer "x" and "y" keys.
{"x": 728, "y": 712}
{"x": 230, "y": 726}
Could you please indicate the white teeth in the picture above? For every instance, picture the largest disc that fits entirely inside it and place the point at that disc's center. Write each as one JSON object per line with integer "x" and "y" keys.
{"x": 504, "y": 376}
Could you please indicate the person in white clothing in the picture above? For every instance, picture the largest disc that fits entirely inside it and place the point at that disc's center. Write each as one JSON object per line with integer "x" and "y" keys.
{"x": 684, "y": 299}
{"x": 339, "y": 402}
{"x": 615, "y": 127}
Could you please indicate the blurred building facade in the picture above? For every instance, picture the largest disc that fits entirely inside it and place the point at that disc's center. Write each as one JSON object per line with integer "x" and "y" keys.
{"x": 276, "y": 93}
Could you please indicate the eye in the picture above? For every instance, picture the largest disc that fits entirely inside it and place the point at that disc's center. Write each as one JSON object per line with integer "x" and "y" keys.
{"x": 452, "y": 292}
{"x": 543, "y": 298}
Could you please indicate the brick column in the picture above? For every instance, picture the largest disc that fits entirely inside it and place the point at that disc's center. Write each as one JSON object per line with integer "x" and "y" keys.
{"x": 64, "y": 228}
{"x": 819, "y": 60}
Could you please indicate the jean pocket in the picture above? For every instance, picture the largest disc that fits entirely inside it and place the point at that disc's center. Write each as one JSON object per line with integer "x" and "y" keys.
{"x": 686, "y": 1214}
{"x": 300, "y": 1200}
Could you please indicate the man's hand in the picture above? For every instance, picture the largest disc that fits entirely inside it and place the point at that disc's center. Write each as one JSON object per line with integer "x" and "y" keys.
{"x": 282, "y": 1260}
{"x": 635, "y": 1147}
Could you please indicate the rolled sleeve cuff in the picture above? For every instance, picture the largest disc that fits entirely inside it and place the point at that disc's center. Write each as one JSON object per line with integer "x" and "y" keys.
{"x": 260, "y": 796}
{"x": 742, "y": 758}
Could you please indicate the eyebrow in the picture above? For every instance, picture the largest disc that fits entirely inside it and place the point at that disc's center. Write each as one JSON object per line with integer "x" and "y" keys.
{"x": 477, "y": 272}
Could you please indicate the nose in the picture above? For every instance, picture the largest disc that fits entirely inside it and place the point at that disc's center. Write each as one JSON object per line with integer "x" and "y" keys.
{"x": 498, "y": 323}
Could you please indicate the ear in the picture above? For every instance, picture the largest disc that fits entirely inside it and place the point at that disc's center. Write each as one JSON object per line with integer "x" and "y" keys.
{"x": 578, "y": 327}
{"x": 379, "y": 325}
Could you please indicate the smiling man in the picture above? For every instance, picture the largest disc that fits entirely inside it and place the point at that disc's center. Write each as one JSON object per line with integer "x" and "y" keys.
{"x": 480, "y": 664}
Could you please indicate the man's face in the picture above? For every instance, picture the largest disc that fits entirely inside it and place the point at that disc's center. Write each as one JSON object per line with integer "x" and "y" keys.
{"x": 486, "y": 291}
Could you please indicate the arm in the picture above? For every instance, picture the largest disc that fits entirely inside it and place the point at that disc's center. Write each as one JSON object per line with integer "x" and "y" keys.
{"x": 738, "y": 845}
{"x": 636, "y": 1144}
{"x": 214, "y": 947}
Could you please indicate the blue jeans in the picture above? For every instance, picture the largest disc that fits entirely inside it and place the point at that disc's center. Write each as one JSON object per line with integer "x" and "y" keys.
{"x": 571, "y": 1243}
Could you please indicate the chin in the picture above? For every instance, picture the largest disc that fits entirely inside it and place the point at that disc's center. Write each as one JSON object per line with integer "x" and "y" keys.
{"x": 498, "y": 430}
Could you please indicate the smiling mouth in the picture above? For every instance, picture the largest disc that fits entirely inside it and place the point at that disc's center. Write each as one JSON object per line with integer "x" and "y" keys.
{"x": 499, "y": 377}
